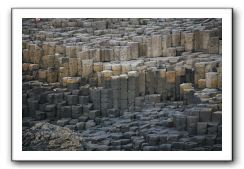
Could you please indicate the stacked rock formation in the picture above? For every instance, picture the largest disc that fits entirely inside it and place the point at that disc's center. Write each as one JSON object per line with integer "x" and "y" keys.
{"x": 154, "y": 75}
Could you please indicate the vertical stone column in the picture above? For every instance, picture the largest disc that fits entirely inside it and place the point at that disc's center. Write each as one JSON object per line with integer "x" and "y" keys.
{"x": 147, "y": 46}
{"x": 125, "y": 53}
{"x": 192, "y": 124}
{"x": 64, "y": 67}
{"x": 170, "y": 85}
{"x": 151, "y": 82}
{"x": 97, "y": 67}
{"x": 123, "y": 92}
{"x": 180, "y": 78}
{"x": 99, "y": 79}
{"x": 156, "y": 46}
{"x": 190, "y": 72}
{"x": 134, "y": 49}
{"x": 37, "y": 55}
{"x": 220, "y": 47}
{"x": 180, "y": 122}
{"x": 201, "y": 84}
{"x": 166, "y": 43}
{"x": 52, "y": 75}
{"x": 48, "y": 61}
{"x": 106, "y": 78}
{"x": 139, "y": 39}
{"x": 95, "y": 96}
{"x": 42, "y": 75}
{"x": 211, "y": 66}
{"x": 73, "y": 66}
{"x": 106, "y": 101}
{"x": 159, "y": 88}
{"x": 183, "y": 89}
{"x": 197, "y": 41}
{"x": 125, "y": 68}
{"x": 199, "y": 72}
{"x": 179, "y": 50}
{"x": 33, "y": 69}
{"x": 182, "y": 39}
{"x": 176, "y": 38}
{"x": 189, "y": 96}
{"x": 25, "y": 55}
{"x": 116, "y": 50}
{"x": 161, "y": 83}
{"x": 71, "y": 51}
{"x": 171, "y": 51}
{"x": 205, "y": 40}
{"x": 116, "y": 68}
{"x": 219, "y": 70}
{"x": 106, "y": 55}
{"x": 60, "y": 49}
{"x": 83, "y": 55}
{"x": 94, "y": 54}
{"x": 44, "y": 47}
{"x": 212, "y": 80}
{"x": 33, "y": 106}
{"x": 189, "y": 41}
{"x": 115, "y": 84}
{"x": 76, "y": 111}
{"x": 31, "y": 52}
{"x": 132, "y": 89}
{"x": 141, "y": 80}
{"x": 214, "y": 45}
{"x": 139, "y": 102}
{"x": 87, "y": 68}
{"x": 79, "y": 67}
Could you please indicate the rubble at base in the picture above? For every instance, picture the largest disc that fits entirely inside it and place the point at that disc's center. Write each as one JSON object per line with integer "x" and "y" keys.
{"x": 48, "y": 137}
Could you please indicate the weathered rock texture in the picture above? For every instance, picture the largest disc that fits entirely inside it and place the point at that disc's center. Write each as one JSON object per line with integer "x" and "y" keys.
{"x": 47, "y": 137}
{"x": 126, "y": 84}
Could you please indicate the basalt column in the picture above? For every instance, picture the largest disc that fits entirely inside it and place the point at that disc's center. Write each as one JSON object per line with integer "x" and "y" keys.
{"x": 132, "y": 89}
{"x": 106, "y": 100}
{"x": 141, "y": 80}
{"x": 151, "y": 80}
{"x": 106, "y": 78}
{"x": 95, "y": 97}
{"x": 123, "y": 92}
{"x": 180, "y": 78}
{"x": 161, "y": 83}
{"x": 115, "y": 84}
{"x": 170, "y": 85}
{"x": 199, "y": 72}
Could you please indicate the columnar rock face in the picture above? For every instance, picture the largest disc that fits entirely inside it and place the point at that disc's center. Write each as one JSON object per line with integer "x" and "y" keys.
{"x": 123, "y": 92}
{"x": 132, "y": 89}
{"x": 126, "y": 84}
{"x": 170, "y": 85}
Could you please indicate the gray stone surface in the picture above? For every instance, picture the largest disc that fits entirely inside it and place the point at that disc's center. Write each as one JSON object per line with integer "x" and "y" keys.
{"x": 77, "y": 111}
{"x": 72, "y": 99}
